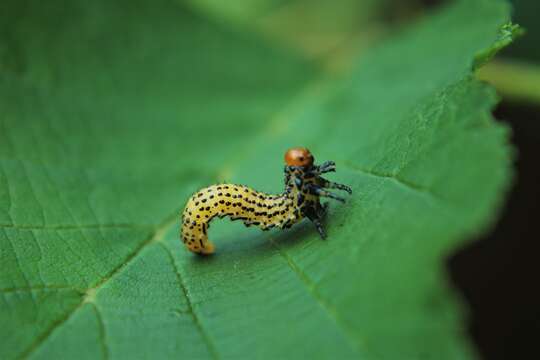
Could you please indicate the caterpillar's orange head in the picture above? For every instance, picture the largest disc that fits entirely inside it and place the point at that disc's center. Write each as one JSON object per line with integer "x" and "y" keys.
{"x": 299, "y": 156}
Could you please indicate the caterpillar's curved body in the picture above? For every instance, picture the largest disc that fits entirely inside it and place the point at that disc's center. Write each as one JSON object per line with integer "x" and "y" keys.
{"x": 301, "y": 198}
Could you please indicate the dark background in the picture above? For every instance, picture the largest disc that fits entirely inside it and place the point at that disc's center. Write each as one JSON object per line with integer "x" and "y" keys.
{"x": 498, "y": 275}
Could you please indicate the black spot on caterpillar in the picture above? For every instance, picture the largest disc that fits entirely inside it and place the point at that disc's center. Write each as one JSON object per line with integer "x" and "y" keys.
{"x": 304, "y": 186}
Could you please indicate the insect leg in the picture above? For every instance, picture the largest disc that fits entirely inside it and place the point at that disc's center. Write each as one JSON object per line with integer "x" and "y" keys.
{"x": 321, "y": 210}
{"x": 319, "y": 227}
{"x": 314, "y": 216}
{"x": 327, "y": 166}
{"x": 334, "y": 185}
{"x": 321, "y": 192}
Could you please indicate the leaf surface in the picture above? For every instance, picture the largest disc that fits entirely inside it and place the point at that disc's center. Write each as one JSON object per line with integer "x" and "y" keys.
{"x": 113, "y": 114}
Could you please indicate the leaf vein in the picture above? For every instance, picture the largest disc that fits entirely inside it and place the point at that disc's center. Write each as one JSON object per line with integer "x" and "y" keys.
{"x": 191, "y": 311}
{"x": 156, "y": 235}
{"x": 350, "y": 334}
{"x": 102, "y": 333}
{"x": 423, "y": 190}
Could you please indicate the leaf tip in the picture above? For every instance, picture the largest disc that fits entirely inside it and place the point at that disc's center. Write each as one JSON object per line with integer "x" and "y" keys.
{"x": 506, "y": 35}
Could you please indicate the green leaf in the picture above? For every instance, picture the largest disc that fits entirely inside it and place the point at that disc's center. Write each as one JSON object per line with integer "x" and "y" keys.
{"x": 507, "y": 34}
{"x": 113, "y": 113}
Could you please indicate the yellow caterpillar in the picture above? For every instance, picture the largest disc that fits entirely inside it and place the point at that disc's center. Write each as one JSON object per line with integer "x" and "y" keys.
{"x": 303, "y": 188}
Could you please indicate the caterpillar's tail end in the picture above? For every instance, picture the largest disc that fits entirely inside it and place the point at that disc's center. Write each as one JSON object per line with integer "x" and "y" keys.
{"x": 208, "y": 249}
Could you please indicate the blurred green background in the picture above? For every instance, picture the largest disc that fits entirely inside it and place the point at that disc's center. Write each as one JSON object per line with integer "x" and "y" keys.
{"x": 332, "y": 33}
